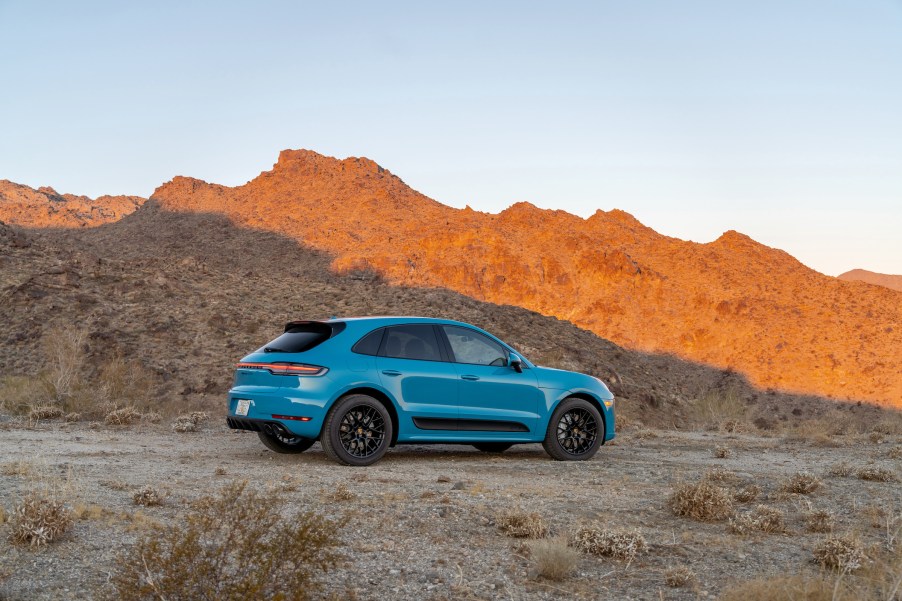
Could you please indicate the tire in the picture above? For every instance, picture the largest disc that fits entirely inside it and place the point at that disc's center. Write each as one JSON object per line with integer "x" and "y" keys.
{"x": 575, "y": 431}
{"x": 372, "y": 437}
{"x": 493, "y": 447}
{"x": 280, "y": 444}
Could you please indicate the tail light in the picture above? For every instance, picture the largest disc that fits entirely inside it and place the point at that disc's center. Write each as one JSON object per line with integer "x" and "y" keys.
{"x": 286, "y": 369}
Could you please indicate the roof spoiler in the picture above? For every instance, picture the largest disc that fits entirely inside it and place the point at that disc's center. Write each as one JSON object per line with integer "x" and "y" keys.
{"x": 332, "y": 327}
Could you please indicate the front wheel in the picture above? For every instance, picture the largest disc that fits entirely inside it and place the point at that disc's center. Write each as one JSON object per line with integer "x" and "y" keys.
{"x": 492, "y": 447}
{"x": 357, "y": 430}
{"x": 285, "y": 444}
{"x": 575, "y": 431}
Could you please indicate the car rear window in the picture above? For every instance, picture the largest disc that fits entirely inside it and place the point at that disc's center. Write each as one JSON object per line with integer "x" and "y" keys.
{"x": 301, "y": 337}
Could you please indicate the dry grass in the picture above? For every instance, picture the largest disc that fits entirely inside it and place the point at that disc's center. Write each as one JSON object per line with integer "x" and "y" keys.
{"x": 801, "y": 483}
{"x": 842, "y": 553}
{"x": 747, "y": 493}
{"x": 148, "y": 497}
{"x": 235, "y": 545}
{"x": 679, "y": 576}
{"x": 703, "y": 501}
{"x": 761, "y": 519}
{"x": 189, "y": 422}
{"x": 895, "y": 452}
{"x": 123, "y": 416}
{"x": 842, "y": 469}
{"x": 72, "y": 417}
{"x": 45, "y": 412}
{"x": 39, "y": 519}
{"x": 820, "y": 521}
{"x": 721, "y": 409}
{"x": 520, "y": 524}
{"x": 619, "y": 544}
{"x": 873, "y": 473}
{"x": 720, "y": 475}
{"x": 555, "y": 560}
{"x": 341, "y": 493}
{"x": 722, "y": 452}
{"x": 22, "y": 469}
{"x": 792, "y": 588}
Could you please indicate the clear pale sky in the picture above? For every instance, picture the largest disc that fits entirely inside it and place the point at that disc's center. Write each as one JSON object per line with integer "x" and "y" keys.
{"x": 780, "y": 119}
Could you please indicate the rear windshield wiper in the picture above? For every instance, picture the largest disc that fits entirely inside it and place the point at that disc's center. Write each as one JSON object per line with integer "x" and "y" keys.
{"x": 272, "y": 349}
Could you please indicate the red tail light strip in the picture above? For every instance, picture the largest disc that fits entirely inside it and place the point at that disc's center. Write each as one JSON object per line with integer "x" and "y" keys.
{"x": 286, "y": 369}
{"x": 294, "y": 417}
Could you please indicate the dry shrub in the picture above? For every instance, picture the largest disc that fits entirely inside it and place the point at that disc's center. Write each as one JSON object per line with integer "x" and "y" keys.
{"x": 721, "y": 409}
{"x": 721, "y": 476}
{"x": 231, "y": 546}
{"x": 342, "y": 493}
{"x": 64, "y": 350}
{"x": 841, "y": 469}
{"x": 18, "y": 394}
{"x": 152, "y": 417}
{"x": 123, "y": 381}
{"x": 189, "y": 422}
{"x": 678, "y": 576}
{"x": 746, "y": 494}
{"x": 876, "y": 437}
{"x": 895, "y": 452}
{"x": 801, "y": 483}
{"x": 703, "y": 501}
{"x": 45, "y": 412}
{"x": 761, "y": 519}
{"x": 555, "y": 560}
{"x": 820, "y": 521}
{"x": 841, "y": 553}
{"x": 39, "y": 519}
{"x": 519, "y": 524}
{"x": 72, "y": 417}
{"x": 620, "y": 544}
{"x": 122, "y": 417}
{"x": 148, "y": 497}
{"x": 874, "y": 473}
{"x": 721, "y": 452}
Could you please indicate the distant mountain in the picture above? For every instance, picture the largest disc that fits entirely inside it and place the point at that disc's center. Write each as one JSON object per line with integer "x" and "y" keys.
{"x": 893, "y": 282}
{"x": 45, "y": 207}
{"x": 732, "y": 303}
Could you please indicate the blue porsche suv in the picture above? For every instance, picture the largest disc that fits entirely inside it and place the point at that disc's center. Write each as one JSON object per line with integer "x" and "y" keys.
{"x": 361, "y": 385}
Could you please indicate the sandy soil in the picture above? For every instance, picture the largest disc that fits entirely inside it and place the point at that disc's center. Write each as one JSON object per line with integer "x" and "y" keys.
{"x": 422, "y": 521}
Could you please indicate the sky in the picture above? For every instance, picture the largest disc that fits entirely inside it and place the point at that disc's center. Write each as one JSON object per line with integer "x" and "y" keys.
{"x": 780, "y": 119}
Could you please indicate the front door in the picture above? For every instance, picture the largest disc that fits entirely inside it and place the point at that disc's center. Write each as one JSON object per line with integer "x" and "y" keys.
{"x": 495, "y": 400}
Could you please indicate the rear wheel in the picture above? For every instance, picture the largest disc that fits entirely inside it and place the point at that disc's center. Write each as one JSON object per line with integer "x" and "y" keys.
{"x": 357, "y": 430}
{"x": 575, "y": 431}
{"x": 493, "y": 447}
{"x": 285, "y": 444}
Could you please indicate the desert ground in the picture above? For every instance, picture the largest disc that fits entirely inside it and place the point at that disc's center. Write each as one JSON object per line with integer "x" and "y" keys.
{"x": 435, "y": 522}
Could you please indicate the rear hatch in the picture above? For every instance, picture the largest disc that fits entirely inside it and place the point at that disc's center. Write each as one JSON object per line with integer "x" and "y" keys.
{"x": 293, "y": 353}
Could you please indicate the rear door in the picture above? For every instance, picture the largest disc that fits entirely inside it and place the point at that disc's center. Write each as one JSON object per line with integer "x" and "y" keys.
{"x": 413, "y": 367}
{"x": 494, "y": 398}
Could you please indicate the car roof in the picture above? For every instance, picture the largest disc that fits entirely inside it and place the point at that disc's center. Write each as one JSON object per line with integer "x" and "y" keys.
{"x": 395, "y": 319}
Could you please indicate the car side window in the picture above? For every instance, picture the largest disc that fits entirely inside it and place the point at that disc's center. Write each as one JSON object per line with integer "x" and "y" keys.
{"x": 415, "y": 341}
{"x": 369, "y": 344}
{"x": 469, "y": 346}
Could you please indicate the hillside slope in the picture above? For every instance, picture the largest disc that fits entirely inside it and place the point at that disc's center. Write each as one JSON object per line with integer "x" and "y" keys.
{"x": 732, "y": 303}
{"x": 893, "y": 282}
{"x": 211, "y": 292}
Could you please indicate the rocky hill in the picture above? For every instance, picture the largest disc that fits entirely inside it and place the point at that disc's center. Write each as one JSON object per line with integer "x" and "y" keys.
{"x": 45, "y": 207}
{"x": 893, "y": 282}
{"x": 732, "y": 303}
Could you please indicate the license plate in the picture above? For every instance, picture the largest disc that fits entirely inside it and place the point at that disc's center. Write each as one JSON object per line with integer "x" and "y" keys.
{"x": 243, "y": 406}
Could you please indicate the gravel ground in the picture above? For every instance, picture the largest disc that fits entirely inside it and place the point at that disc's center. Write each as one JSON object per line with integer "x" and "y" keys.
{"x": 422, "y": 522}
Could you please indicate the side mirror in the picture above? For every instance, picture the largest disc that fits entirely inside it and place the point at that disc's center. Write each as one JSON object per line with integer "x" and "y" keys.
{"x": 517, "y": 365}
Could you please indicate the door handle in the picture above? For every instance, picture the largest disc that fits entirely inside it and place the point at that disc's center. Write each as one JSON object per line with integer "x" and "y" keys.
{"x": 473, "y": 378}
{"x": 391, "y": 372}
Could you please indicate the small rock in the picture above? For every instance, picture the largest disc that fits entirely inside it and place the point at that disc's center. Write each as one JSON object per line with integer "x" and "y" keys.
{"x": 459, "y": 485}
{"x": 443, "y": 479}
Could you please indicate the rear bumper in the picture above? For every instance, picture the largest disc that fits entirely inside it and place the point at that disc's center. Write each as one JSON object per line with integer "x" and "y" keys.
{"x": 265, "y": 404}
{"x": 273, "y": 428}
